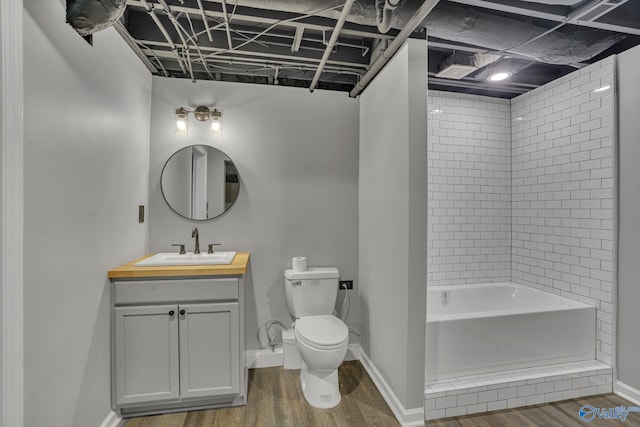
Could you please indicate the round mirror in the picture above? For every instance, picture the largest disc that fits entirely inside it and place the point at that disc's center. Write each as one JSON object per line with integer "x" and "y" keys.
{"x": 199, "y": 182}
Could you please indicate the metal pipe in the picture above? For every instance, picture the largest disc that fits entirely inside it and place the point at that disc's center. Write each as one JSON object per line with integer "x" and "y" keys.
{"x": 226, "y": 23}
{"x": 272, "y": 21}
{"x": 384, "y": 14}
{"x": 297, "y": 39}
{"x": 229, "y": 60}
{"x": 204, "y": 19}
{"x": 332, "y": 41}
{"x": 268, "y": 57}
{"x": 151, "y": 11}
{"x": 394, "y": 46}
{"x": 179, "y": 29}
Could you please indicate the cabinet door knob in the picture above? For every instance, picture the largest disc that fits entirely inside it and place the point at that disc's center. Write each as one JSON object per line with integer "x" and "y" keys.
{"x": 171, "y": 313}
{"x": 182, "y": 312}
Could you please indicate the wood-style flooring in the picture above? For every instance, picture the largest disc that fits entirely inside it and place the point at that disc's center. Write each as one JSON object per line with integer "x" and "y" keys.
{"x": 557, "y": 414}
{"x": 275, "y": 400}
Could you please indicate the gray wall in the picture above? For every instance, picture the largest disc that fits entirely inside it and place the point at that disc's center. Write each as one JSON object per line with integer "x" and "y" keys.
{"x": 297, "y": 157}
{"x": 393, "y": 216}
{"x": 628, "y": 330}
{"x": 86, "y": 171}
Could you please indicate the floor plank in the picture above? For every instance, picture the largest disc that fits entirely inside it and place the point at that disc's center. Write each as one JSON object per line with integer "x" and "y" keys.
{"x": 275, "y": 399}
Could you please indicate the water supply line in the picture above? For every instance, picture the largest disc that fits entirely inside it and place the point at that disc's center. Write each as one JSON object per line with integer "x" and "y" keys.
{"x": 346, "y": 9}
{"x": 226, "y": 24}
{"x": 394, "y": 46}
{"x": 152, "y": 13}
{"x": 384, "y": 14}
{"x": 205, "y": 21}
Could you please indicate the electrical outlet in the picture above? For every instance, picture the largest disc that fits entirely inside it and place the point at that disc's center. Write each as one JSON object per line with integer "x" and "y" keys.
{"x": 347, "y": 283}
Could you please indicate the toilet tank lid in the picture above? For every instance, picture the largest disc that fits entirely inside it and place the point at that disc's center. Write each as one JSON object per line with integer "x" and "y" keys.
{"x": 313, "y": 273}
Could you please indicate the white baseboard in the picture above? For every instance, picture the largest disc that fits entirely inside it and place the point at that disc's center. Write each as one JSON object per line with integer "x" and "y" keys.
{"x": 354, "y": 351}
{"x": 264, "y": 358}
{"x": 112, "y": 420}
{"x": 627, "y": 392}
{"x": 406, "y": 417}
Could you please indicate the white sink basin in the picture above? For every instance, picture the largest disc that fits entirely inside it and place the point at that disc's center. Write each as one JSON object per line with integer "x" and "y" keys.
{"x": 172, "y": 258}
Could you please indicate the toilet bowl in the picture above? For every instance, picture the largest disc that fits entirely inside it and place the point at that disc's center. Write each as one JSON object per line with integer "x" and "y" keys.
{"x": 321, "y": 338}
{"x": 322, "y": 341}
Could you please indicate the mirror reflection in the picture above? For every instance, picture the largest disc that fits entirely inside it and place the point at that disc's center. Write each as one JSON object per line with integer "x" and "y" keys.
{"x": 199, "y": 182}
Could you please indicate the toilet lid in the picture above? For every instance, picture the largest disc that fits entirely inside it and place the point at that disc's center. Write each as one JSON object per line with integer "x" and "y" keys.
{"x": 326, "y": 332}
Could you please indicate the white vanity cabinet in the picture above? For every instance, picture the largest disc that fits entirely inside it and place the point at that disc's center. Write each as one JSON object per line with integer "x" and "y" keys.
{"x": 177, "y": 343}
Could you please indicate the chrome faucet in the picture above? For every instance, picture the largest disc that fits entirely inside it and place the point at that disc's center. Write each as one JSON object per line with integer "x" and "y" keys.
{"x": 194, "y": 233}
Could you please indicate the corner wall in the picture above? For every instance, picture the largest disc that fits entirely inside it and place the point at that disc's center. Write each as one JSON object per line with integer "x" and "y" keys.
{"x": 297, "y": 158}
{"x": 628, "y": 333}
{"x": 393, "y": 222}
{"x": 469, "y": 194}
{"x": 86, "y": 142}
{"x": 562, "y": 192}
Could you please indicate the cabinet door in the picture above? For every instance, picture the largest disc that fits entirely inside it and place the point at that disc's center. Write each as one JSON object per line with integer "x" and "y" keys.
{"x": 146, "y": 350}
{"x": 209, "y": 350}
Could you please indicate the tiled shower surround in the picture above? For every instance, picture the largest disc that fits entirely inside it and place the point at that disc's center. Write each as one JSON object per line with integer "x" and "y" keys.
{"x": 528, "y": 200}
{"x": 469, "y": 193}
{"x": 562, "y": 192}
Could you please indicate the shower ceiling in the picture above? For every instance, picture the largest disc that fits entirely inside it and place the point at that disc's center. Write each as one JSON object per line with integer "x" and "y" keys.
{"x": 282, "y": 42}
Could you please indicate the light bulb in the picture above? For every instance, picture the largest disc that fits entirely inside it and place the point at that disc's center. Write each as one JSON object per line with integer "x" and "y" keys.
{"x": 499, "y": 76}
{"x": 216, "y": 122}
{"x": 182, "y": 124}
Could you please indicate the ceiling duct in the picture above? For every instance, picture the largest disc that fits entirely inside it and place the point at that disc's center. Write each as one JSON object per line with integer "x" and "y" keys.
{"x": 460, "y": 65}
{"x": 457, "y": 66}
{"x": 89, "y": 16}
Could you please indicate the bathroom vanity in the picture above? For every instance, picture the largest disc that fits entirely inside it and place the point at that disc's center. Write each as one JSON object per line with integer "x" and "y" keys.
{"x": 178, "y": 337}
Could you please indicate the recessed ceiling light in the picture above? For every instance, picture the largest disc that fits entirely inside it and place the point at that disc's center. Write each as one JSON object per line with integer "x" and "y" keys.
{"x": 602, "y": 89}
{"x": 502, "y": 75}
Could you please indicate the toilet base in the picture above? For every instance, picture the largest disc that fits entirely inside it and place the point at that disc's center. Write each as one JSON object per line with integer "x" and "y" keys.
{"x": 320, "y": 391}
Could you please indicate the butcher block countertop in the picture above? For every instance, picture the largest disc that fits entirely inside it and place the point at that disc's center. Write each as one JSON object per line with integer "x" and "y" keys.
{"x": 129, "y": 271}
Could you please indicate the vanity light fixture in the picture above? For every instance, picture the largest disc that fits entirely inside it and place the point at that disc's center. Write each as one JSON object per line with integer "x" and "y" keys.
{"x": 202, "y": 114}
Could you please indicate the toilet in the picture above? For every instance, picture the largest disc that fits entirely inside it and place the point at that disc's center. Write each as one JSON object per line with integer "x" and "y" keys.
{"x": 321, "y": 337}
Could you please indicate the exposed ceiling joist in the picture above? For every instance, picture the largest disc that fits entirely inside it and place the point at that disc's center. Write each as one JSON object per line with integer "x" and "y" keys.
{"x": 550, "y": 16}
{"x": 352, "y": 30}
{"x": 284, "y": 41}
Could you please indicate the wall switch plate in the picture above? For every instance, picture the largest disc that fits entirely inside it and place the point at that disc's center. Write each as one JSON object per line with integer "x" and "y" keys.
{"x": 347, "y": 283}
{"x": 141, "y": 213}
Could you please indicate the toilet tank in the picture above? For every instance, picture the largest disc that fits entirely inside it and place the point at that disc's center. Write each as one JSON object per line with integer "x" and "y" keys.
{"x": 311, "y": 292}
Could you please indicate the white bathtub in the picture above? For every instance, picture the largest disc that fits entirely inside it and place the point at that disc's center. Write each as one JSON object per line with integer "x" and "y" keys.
{"x": 493, "y": 327}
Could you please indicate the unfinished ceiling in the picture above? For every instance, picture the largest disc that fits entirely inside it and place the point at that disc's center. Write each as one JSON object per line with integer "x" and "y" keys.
{"x": 292, "y": 42}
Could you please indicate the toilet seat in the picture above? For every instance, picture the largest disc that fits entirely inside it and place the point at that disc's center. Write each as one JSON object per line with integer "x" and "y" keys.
{"x": 325, "y": 332}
